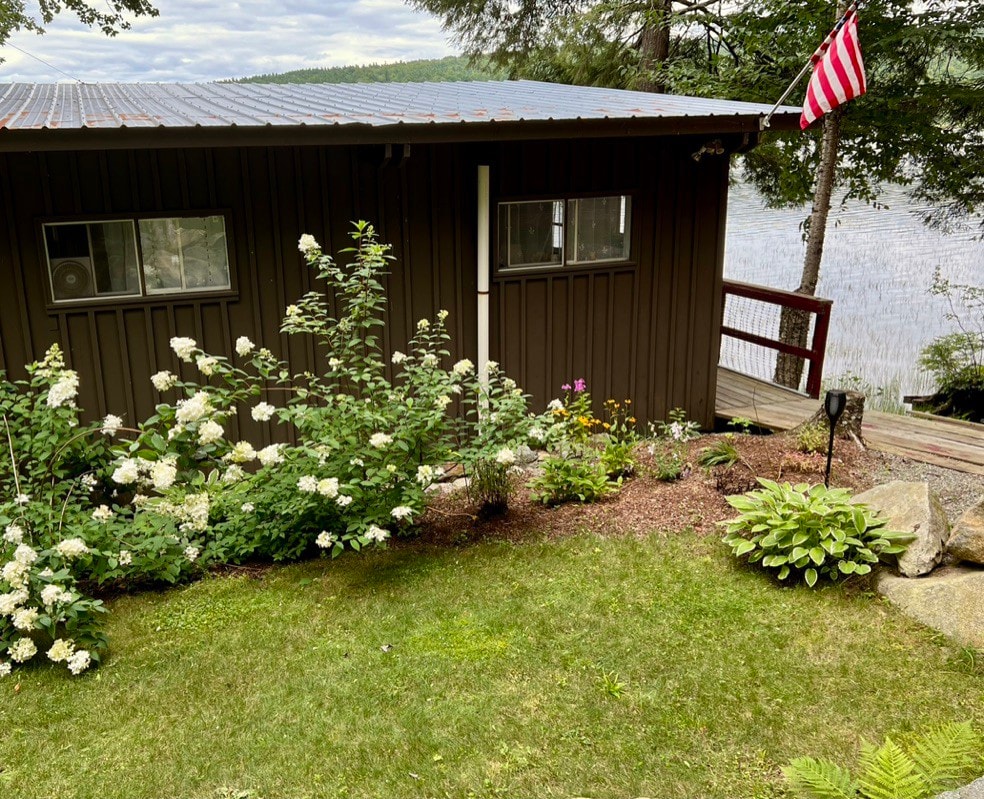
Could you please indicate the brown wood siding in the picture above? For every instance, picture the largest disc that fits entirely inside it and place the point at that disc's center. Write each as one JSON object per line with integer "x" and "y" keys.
{"x": 646, "y": 330}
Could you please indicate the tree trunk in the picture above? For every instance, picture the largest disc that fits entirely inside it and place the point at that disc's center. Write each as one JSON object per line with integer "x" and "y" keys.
{"x": 849, "y": 424}
{"x": 654, "y": 47}
{"x": 794, "y": 326}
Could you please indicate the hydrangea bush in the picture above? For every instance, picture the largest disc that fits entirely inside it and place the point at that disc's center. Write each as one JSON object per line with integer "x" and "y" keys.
{"x": 367, "y": 441}
{"x": 63, "y": 527}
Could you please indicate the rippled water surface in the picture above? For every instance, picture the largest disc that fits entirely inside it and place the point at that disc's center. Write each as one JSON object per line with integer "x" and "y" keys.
{"x": 877, "y": 268}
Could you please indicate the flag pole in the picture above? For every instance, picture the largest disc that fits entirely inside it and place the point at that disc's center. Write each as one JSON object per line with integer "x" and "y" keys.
{"x": 764, "y": 121}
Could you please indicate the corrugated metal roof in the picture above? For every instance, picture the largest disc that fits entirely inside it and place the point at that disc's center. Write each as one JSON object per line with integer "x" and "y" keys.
{"x": 66, "y": 106}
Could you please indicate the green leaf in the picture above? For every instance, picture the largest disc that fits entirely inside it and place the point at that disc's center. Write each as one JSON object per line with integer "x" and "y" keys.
{"x": 819, "y": 778}
{"x": 811, "y": 577}
{"x": 817, "y": 555}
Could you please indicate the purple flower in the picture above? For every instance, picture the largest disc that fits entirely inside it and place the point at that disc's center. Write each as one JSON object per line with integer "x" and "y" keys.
{"x": 565, "y": 387}
{"x": 580, "y": 385}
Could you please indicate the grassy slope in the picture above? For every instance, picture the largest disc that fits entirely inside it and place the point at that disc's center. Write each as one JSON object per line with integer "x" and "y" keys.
{"x": 437, "y": 69}
{"x": 494, "y": 685}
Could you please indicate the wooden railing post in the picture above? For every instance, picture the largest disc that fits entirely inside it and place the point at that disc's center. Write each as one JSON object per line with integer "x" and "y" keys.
{"x": 786, "y": 299}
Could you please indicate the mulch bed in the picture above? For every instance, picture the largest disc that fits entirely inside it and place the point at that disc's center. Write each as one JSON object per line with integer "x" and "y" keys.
{"x": 645, "y": 504}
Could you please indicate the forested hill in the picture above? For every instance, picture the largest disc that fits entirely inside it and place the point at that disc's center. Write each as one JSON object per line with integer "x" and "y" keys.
{"x": 435, "y": 70}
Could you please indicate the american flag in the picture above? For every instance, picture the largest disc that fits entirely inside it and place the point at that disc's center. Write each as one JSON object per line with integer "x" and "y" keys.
{"x": 838, "y": 70}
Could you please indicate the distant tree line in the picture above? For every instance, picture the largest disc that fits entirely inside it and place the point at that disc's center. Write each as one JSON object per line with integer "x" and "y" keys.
{"x": 451, "y": 68}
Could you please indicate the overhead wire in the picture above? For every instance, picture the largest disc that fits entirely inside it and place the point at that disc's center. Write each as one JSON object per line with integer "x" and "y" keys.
{"x": 46, "y": 63}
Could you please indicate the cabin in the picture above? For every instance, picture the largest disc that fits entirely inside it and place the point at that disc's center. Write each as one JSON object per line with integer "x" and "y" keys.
{"x": 571, "y": 232}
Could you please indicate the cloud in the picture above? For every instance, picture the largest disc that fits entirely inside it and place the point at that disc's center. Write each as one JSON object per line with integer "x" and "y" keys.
{"x": 196, "y": 41}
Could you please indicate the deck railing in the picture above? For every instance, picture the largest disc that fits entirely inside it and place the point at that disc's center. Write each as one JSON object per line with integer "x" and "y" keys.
{"x": 817, "y": 306}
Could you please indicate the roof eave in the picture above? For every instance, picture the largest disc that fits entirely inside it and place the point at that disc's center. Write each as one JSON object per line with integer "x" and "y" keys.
{"x": 125, "y": 138}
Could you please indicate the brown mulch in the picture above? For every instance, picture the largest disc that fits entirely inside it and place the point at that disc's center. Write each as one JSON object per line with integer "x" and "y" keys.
{"x": 645, "y": 504}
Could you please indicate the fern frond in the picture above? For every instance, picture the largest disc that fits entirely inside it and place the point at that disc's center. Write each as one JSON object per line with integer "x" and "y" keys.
{"x": 946, "y": 756}
{"x": 819, "y": 779}
{"x": 889, "y": 773}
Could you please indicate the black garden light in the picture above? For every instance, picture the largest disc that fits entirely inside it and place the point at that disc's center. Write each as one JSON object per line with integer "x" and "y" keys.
{"x": 833, "y": 405}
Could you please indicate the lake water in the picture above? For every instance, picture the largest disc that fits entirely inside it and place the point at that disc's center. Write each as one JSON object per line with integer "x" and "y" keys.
{"x": 877, "y": 268}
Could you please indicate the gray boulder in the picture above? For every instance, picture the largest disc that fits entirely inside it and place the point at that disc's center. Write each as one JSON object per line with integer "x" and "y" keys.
{"x": 973, "y": 791}
{"x": 951, "y": 601}
{"x": 967, "y": 539}
{"x": 915, "y": 509}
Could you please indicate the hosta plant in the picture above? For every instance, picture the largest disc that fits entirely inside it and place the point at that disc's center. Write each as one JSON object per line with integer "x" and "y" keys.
{"x": 570, "y": 479}
{"x": 808, "y": 532}
{"x": 923, "y": 766}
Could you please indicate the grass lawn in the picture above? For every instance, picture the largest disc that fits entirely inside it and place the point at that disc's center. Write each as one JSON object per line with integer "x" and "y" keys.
{"x": 582, "y": 667}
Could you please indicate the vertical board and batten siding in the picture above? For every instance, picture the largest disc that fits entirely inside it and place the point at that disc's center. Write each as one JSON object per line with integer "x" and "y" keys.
{"x": 270, "y": 196}
{"x": 647, "y": 329}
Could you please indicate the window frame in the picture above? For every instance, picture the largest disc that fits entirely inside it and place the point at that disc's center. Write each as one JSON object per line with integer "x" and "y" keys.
{"x": 565, "y": 266}
{"x": 144, "y": 297}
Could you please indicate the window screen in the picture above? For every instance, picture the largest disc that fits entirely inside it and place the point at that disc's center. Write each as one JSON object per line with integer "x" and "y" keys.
{"x": 598, "y": 229}
{"x": 92, "y": 259}
{"x": 184, "y": 254}
{"x": 531, "y": 234}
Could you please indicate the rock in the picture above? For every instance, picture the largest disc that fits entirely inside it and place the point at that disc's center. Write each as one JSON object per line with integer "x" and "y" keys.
{"x": 967, "y": 539}
{"x": 912, "y": 508}
{"x": 525, "y": 455}
{"x": 460, "y": 484}
{"x": 973, "y": 791}
{"x": 951, "y": 601}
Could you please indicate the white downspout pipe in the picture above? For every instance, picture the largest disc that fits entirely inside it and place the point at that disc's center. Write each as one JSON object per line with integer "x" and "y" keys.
{"x": 483, "y": 273}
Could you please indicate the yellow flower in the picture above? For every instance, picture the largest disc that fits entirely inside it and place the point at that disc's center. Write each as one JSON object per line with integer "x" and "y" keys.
{"x": 607, "y": 426}
{"x": 632, "y": 420}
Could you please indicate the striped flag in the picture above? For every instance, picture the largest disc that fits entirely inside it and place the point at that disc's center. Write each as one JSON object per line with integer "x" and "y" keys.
{"x": 838, "y": 71}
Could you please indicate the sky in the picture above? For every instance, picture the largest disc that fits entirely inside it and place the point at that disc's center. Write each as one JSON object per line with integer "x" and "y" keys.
{"x": 203, "y": 40}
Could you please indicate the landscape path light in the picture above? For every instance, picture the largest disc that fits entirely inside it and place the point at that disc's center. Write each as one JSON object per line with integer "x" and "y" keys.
{"x": 833, "y": 405}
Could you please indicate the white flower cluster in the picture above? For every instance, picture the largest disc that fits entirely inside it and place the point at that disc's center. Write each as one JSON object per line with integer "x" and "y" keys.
{"x": 325, "y": 539}
{"x": 163, "y": 474}
{"x": 191, "y": 513}
{"x": 555, "y": 405}
{"x": 111, "y": 424}
{"x": 197, "y": 406}
{"x": 398, "y": 357}
{"x": 21, "y": 650}
{"x": 206, "y": 364}
{"x": 463, "y": 367}
{"x": 192, "y": 553}
{"x": 401, "y": 512}
{"x": 538, "y": 434}
{"x": 103, "y": 514}
{"x": 160, "y": 474}
{"x": 210, "y": 432}
{"x": 13, "y": 534}
{"x": 52, "y": 595}
{"x": 270, "y": 455}
{"x": 377, "y": 534}
{"x": 428, "y": 474}
{"x": 164, "y": 380}
{"x": 262, "y": 412}
{"x": 241, "y": 452}
{"x": 244, "y": 346}
{"x": 308, "y": 245}
{"x": 64, "y": 391}
{"x": 184, "y": 347}
{"x": 505, "y": 457}
{"x": 380, "y": 440}
{"x": 72, "y": 548}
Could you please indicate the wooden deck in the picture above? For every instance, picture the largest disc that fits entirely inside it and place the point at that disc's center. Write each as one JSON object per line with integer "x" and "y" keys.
{"x": 949, "y": 443}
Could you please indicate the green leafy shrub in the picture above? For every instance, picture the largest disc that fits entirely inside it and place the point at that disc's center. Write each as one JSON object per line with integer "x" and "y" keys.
{"x": 813, "y": 438}
{"x": 808, "y": 531}
{"x": 621, "y": 439}
{"x": 569, "y": 479}
{"x": 61, "y": 530}
{"x": 922, "y": 767}
{"x": 721, "y": 453}
{"x": 957, "y": 359}
{"x": 668, "y": 446}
